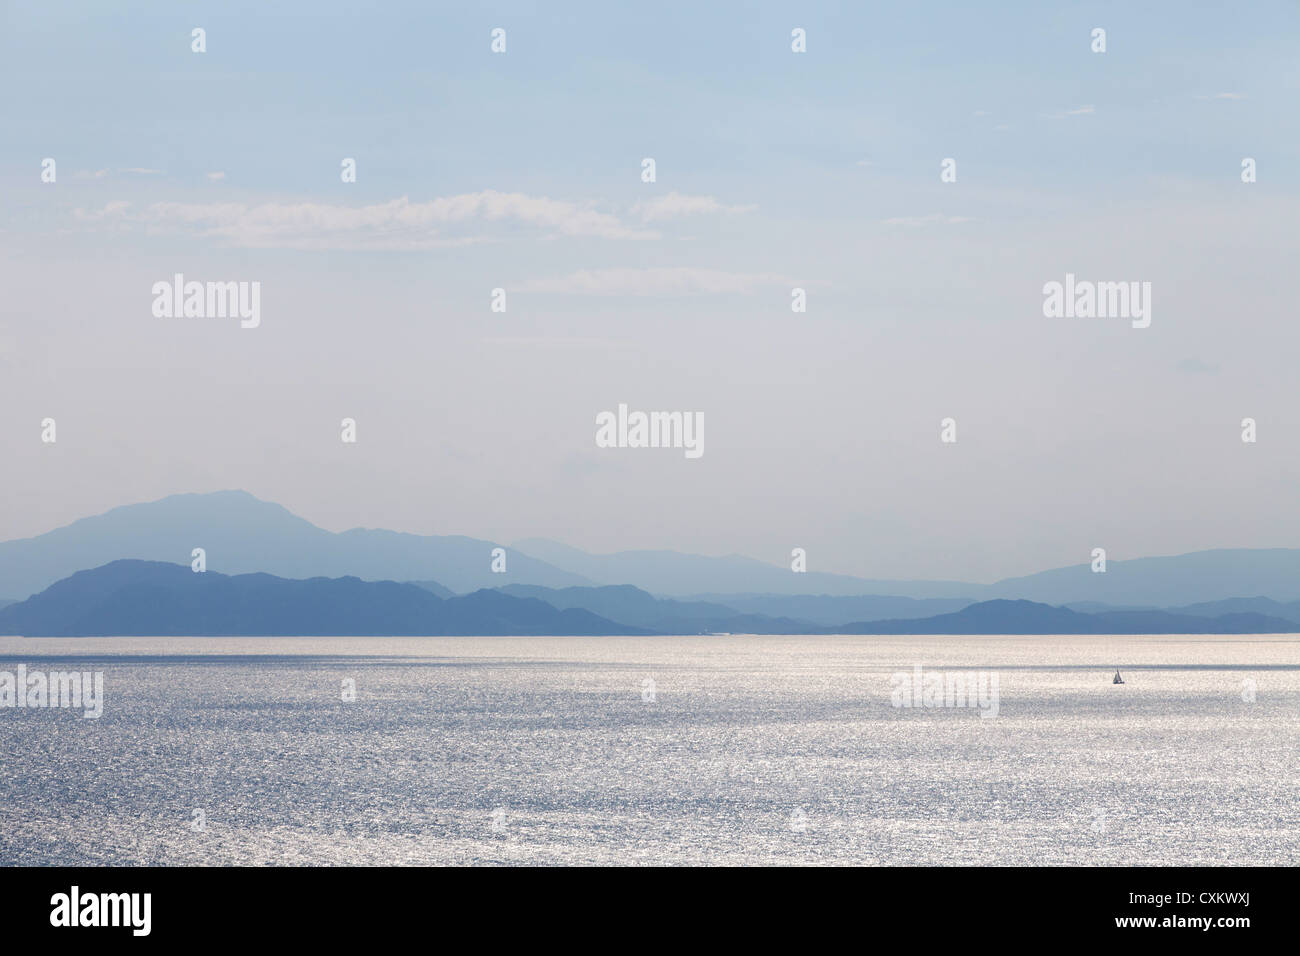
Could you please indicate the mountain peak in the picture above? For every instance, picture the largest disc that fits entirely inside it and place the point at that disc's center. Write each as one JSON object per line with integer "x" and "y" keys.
{"x": 240, "y": 533}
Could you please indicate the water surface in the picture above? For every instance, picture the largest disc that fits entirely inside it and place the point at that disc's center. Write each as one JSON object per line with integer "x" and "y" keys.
{"x": 770, "y": 750}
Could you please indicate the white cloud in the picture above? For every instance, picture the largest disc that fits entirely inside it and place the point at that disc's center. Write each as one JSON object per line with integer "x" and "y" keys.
{"x": 1077, "y": 111}
{"x": 676, "y": 204}
{"x": 398, "y": 224}
{"x": 657, "y": 282}
{"x": 140, "y": 171}
{"x": 112, "y": 210}
{"x": 216, "y": 177}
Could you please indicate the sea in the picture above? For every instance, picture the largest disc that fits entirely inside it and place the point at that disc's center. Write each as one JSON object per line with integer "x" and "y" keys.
{"x": 659, "y": 751}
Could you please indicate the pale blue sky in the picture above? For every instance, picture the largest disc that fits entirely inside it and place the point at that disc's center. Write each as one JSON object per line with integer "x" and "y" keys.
{"x": 774, "y": 169}
{"x": 711, "y": 89}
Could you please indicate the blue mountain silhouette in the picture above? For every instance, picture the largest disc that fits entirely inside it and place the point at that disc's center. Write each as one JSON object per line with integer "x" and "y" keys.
{"x": 152, "y": 598}
{"x": 243, "y": 534}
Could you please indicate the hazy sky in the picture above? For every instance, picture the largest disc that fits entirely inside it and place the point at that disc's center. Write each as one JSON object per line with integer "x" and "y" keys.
{"x": 774, "y": 169}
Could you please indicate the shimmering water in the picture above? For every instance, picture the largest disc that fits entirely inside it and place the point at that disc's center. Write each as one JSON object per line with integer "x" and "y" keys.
{"x": 768, "y": 750}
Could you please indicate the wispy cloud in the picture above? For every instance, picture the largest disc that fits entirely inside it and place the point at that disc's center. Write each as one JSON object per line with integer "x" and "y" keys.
{"x": 105, "y": 173}
{"x": 216, "y": 177}
{"x": 674, "y": 205}
{"x": 657, "y": 282}
{"x": 111, "y": 211}
{"x": 398, "y": 224}
{"x": 1086, "y": 110}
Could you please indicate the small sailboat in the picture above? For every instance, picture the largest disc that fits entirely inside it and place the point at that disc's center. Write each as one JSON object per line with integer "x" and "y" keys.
{"x": 1118, "y": 679}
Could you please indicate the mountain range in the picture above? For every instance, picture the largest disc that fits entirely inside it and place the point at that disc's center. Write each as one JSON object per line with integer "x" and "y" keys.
{"x": 672, "y": 573}
{"x": 634, "y": 607}
{"x": 153, "y": 598}
{"x": 637, "y": 591}
{"x": 1001, "y": 616}
{"x": 242, "y": 534}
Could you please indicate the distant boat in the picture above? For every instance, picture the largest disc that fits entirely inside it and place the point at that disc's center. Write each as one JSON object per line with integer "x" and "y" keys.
{"x": 1118, "y": 679}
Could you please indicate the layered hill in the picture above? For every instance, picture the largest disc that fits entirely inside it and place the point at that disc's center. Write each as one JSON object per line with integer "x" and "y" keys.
{"x": 149, "y": 598}
{"x": 632, "y": 606}
{"x": 1030, "y": 617}
{"x": 242, "y": 534}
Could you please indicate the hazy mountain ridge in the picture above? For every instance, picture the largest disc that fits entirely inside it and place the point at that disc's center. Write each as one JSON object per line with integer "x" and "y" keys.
{"x": 148, "y": 598}
{"x": 829, "y": 609}
{"x": 1185, "y": 579}
{"x": 1168, "y": 581}
{"x": 1002, "y": 616}
{"x": 632, "y": 606}
{"x": 152, "y": 598}
{"x": 242, "y": 534}
{"x": 1259, "y": 605}
{"x": 435, "y": 588}
{"x": 635, "y": 607}
{"x": 675, "y": 574}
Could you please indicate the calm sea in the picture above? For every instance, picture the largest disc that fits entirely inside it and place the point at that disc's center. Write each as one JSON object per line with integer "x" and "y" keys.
{"x": 657, "y": 751}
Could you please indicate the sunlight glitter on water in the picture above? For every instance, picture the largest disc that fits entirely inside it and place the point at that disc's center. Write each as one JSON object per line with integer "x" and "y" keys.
{"x": 656, "y": 751}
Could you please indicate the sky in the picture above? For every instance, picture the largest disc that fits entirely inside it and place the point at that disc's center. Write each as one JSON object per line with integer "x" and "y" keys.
{"x": 522, "y": 171}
